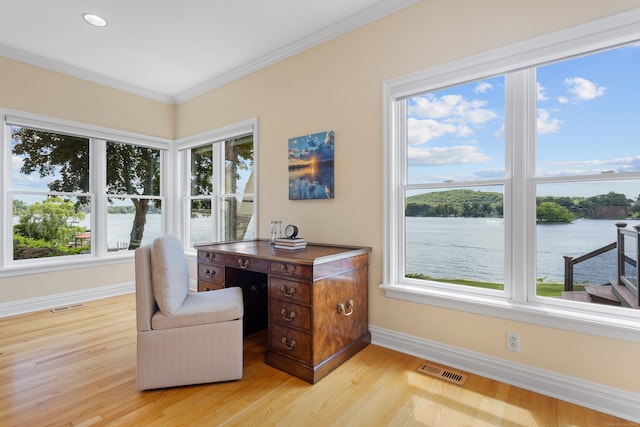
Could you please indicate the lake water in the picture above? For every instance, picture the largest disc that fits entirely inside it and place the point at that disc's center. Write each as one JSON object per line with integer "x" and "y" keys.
{"x": 466, "y": 248}
{"x": 473, "y": 248}
{"x": 119, "y": 229}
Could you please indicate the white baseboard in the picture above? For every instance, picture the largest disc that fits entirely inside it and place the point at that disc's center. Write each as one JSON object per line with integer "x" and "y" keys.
{"x": 609, "y": 400}
{"x": 51, "y": 301}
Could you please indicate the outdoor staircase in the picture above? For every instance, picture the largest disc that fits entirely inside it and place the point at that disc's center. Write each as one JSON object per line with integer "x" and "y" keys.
{"x": 611, "y": 294}
{"x": 621, "y": 290}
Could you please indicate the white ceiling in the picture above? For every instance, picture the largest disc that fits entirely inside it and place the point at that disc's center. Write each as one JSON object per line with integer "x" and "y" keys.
{"x": 173, "y": 50}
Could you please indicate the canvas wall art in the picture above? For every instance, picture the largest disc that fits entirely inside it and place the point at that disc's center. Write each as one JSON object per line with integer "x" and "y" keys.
{"x": 311, "y": 166}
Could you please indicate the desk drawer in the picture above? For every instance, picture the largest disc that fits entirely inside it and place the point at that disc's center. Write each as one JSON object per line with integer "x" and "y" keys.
{"x": 289, "y": 290}
{"x": 208, "y": 286}
{"x": 211, "y": 273}
{"x": 294, "y": 315}
{"x": 290, "y": 343}
{"x": 211, "y": 257}
{"x": 247, "y": 263}
{"x": 292, "y": 270}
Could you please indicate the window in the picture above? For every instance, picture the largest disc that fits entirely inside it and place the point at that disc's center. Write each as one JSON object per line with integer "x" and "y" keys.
{"x": 455, "y": 178}
{"x": 219, "y": 202}
{"x": 50, "y": 194}
{"x": 134, "y": 216}
{"x": 507, "y": 179}
{"x": 76, "y": 194}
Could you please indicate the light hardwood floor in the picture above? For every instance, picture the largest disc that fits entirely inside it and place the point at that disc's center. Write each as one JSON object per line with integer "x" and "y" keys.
{"x": 78, "y": 368}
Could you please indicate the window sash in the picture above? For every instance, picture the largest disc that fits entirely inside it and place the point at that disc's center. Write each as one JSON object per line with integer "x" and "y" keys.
{"x": 517, "y": 61}
{"x": 97, "y": 190}
{"x": 217, "y": 140}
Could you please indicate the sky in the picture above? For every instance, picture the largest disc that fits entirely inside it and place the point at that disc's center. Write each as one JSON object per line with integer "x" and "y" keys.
{"x": 318, "y": 146}
{"x": 587, "y": 121}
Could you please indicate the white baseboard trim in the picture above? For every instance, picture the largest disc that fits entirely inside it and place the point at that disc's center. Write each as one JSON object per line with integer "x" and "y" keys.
{"x": 51, "y": 301}
{"x": 609, "y": 400}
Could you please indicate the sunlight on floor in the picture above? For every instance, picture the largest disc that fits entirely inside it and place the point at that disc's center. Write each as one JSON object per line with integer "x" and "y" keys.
{"x": 436, "y": 398}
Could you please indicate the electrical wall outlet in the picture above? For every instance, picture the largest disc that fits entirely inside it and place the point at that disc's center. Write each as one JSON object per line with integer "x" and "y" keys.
{"x": 513, "y": 341}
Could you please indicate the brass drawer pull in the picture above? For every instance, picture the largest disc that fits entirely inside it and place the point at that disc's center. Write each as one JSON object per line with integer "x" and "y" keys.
{"x": 289, "y": 271}
{"x": 244, "y": 263}
{"x": 210, "y": 273}
{"x": 341, "y": 308}
{"x": 210, "y": 256}
{"x": 288, "y": 292}
{"x": 288, "y": 346}
{"x": 283, "y": 314}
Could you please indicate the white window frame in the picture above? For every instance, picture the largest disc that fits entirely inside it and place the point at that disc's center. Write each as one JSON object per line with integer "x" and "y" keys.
{"x": 97, "y": 140}
{"x": 519, "y": 302}
{"x": 184, "y": 146}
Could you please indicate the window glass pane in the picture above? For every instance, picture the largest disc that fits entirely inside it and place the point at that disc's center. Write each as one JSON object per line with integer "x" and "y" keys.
{"x": 202, "y": 171}
{"x": 47, "y": 226}
{"x": 132, "y": 169}
{"x": 237, "y": 218}
{"x": 47, "y": 161}
{"x": 457, "y": 134}
{"x": 577, "y": 233}
{"x": 587, "y": 114}
{"x": 132, "y": 222}
{"x": 239, "y": 165}
{"x": 200, "y": 222}
{"x": 456, "y": 236}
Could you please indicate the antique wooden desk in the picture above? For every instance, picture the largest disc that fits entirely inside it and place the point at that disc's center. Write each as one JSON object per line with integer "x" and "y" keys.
{"x": 314, "y": 301}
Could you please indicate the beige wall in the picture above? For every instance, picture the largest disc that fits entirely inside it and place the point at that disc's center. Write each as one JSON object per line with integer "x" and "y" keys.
{"x": 31, "y": 89}
{"x": 338, "y": 86}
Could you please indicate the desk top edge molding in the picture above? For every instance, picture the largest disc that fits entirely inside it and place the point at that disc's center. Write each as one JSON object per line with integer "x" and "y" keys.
{"x": 284, "y": 255}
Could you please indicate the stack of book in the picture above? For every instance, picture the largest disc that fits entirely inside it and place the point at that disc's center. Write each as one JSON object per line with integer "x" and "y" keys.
{"x": 291, "y": 244}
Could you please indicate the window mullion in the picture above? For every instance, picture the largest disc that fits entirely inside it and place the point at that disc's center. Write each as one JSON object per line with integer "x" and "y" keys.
{"x": 520, "y": 134}
{"x": 99, "y": 205}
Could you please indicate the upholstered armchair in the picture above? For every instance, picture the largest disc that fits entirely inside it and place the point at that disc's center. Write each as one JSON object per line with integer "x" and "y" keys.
{"x": 183, "y": 338}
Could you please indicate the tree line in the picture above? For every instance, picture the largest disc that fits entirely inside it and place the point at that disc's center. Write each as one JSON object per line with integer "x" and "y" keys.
{"x": 550, "y": 209}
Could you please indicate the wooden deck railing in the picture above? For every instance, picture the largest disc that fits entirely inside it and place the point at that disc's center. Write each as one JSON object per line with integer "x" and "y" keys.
{"x": 630, "y": 282}
{"x": 624, "y": 260}
{"x": 569, "y": 262}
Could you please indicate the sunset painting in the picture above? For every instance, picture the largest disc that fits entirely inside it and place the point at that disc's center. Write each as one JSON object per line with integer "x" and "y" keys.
{"x": 311, "y": 166}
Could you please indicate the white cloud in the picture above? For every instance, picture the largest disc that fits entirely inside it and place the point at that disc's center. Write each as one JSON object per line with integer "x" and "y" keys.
{"x": 594, "y": 166}
{"x": 462, "y": 154}
{"x": 433, "y": 117}
{"x": 482, "y": 87}
{"x": 545, "y": 123}
{"x": 583, "y": 89}
{"x": 421, "y": 131}
{"x": 563, "y": 99}
{"x": 454, "y": 108}
{"x": 540, "y": 95}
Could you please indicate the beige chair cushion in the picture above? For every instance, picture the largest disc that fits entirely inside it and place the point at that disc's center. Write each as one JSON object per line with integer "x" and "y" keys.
{"x": 203, "y": 308}
{"x": 170, "y": 275}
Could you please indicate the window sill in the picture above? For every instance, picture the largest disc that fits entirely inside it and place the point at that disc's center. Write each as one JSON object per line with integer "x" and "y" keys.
{"x": 622, "y": 326}
{"x": 57, "y": 264}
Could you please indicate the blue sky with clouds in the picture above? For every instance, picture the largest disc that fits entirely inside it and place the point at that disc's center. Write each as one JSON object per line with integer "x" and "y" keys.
{"x": 588, "y": 122}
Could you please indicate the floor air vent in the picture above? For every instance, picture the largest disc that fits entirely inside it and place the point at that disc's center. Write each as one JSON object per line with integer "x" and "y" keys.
{"x": 445, "y": 374}
{"x": 67, "y": 308}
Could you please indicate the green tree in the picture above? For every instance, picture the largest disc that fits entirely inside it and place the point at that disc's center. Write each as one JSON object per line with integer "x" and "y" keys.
{"x": 50, "y": 221}
{"x": 134, "y": 170}
{"x": 553, "y": 212}
{"x": 19, "y": 207}
{"x": 131, "y": 169}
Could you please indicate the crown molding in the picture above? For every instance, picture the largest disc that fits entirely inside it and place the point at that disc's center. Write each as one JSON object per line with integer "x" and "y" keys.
{"x": 365, "y": 16}
{"x": 82, "y": 74}
{"x": 361, "y": 18}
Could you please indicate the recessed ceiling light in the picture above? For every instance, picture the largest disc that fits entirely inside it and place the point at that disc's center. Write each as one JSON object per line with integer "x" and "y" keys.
{"x": 95, "y": 20}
